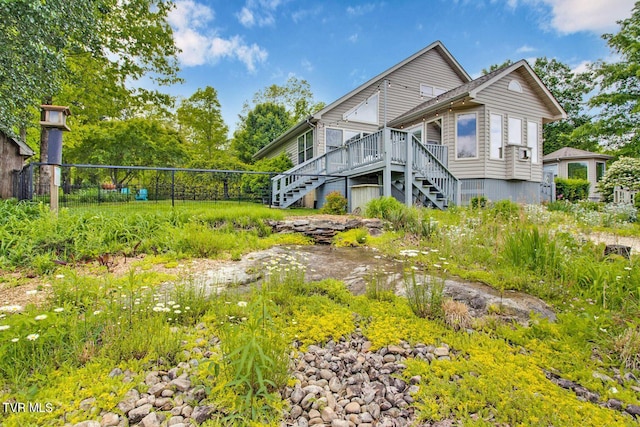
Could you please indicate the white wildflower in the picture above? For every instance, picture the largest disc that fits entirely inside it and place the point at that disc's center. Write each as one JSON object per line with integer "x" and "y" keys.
{"x": 59, "y": 276}
{"x": 41, "y": 317}
{"x": 58, "y": 310}
{"x": 95, "y": 313}
{"x": 32, "y": 292}
{"x": 15, "y": 339}
{"x": 33, "y": 337}
{"x": 242, "y": 303}
{"x": 4, "y": 327}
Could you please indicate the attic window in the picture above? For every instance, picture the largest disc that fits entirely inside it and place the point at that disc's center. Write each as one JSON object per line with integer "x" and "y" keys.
{"x": 365, "y": 112}
{"x": 428, "y": 91}
{"x": 515, "y": 86}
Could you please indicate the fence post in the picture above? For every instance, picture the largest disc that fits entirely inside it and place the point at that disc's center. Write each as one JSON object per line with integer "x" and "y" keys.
{"x": 173, "y": 187}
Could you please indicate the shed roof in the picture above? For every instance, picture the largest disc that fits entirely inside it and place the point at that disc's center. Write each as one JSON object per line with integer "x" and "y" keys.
{"x": 573, "y": 153}
{"x": 23, "y": 148}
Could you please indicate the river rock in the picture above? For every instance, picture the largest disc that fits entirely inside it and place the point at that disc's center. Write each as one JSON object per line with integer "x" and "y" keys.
{"x": 137, "y": 414}
{"x": 110, "y": 419}
{"x": 201, "y": 413}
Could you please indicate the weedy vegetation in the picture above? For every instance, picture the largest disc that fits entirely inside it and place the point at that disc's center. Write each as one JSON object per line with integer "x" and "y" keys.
{"x": 93, "y": 320}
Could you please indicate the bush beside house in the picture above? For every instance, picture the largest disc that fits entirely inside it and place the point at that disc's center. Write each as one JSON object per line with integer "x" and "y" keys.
{"x": 572, "y": 190}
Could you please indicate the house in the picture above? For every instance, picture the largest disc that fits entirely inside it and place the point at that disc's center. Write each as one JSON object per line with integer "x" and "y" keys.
{"x": 573, "y": 163}
{"x": 13, "y": 154}
{"x": 424, "y": 132}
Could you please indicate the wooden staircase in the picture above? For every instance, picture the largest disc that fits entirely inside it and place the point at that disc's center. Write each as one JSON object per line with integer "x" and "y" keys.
{"x": 432, "y": 184}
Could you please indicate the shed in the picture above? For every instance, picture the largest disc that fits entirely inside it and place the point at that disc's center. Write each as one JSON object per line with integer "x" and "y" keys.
{"x": 573, "y": 163}
{"x": 13, "y": 154}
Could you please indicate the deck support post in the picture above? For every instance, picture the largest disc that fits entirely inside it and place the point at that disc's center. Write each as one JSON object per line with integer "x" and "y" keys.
{"x": 408, "y": 171}
{"x": 386, "y": 172}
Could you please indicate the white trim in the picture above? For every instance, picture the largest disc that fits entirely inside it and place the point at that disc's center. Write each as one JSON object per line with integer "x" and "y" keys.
{"x": 515, "y": 86}
{"x": 535, "y": 157}
{"x": 510, "y": 140}
{"x": 501, "y": 147}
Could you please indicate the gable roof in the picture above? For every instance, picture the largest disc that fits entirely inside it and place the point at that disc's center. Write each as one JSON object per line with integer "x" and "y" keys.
{"x": 471, "y": 90}
{"x": 23, "y": 149}
{"x": 573, "y": 153}
{"x": 308, "y": 121}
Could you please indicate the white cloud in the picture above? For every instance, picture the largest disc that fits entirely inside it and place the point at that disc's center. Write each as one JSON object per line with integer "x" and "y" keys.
{"x": 361, "y": 9}
{"x": 307, "y": 65}
{"x": 258, "y": 12}
{"x": 201, "y": 45}
{"x": 570, "y": 16}
{"x": 246, "y": 17}
{"x": 302, "y": 14}
{"x": 353, "y": 38}
{"x": 526, "y": 49}
{"x": 582, "y": 67}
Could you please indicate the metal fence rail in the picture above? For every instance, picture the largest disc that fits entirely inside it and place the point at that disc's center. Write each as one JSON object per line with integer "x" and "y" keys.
{"x": 83, "y": 185}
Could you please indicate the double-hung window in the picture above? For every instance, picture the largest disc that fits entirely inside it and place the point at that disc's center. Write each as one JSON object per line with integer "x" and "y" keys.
{"x": 305, "y": 147}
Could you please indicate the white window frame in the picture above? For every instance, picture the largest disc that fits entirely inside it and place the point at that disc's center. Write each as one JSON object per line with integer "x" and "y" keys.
{"x": 496, "y": 147}
{"x": 430, "y": 91}
{"x": 368, "y": 106}
{"x": 511, "y": 131}
{"x": 475, "y": 115}
{"x": 306, "y": 138}
{"x": 533, "y": 140}
{"x": 515, "y": 86}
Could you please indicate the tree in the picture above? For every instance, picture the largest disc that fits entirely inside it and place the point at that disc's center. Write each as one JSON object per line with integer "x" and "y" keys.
{"x": 619, "y": 94}
{"x": 259, "y": 127}
{"x": 296, "y": 97}
{"x": 41, "y": 40}
{"x": 134, "y": 142}
{"x": 624, "y": 172}
{"x": 201, "y": 121}
{"x": 570, "y": 90}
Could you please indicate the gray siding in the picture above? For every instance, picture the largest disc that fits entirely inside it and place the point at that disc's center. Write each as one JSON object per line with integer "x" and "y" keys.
{"x": 495, "y": 190}
{"x": 563, "y": 172}
{"x": 404, "y": 93}
{"x": 526, "y": 106}
{"x": 10, "y": 160}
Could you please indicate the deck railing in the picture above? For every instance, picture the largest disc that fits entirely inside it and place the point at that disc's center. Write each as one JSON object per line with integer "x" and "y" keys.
{"x": 297, "y": 176}
{"x": 432, "y": 168}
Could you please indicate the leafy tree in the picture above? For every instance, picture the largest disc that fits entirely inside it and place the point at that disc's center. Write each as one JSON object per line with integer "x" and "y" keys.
{"x": 134, "y": 142}
{"x": 59, "y": 43}
{"x": 296, "y": 97}
{"x": 624, "y": 172}
{"x": 259, "y": 127}
{"x": 619, "y": 95}
{"x": 495, "y": 67}
{"x": 570, "y": 90}
{"x": 257, "y": 183}
{"x": 201, "y": 121}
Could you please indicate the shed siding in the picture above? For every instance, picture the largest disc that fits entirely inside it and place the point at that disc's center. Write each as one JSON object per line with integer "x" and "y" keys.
{"x": 404, "y": 93}
{"x": 10, "y": 160}
{"x": 498, "y": 189}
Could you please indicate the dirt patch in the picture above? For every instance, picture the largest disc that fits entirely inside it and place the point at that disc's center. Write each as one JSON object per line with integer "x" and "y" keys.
{"x": 612, "y": 239}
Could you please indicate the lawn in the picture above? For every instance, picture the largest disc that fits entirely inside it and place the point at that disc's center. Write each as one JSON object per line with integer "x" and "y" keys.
{"x": 61, "y": 352}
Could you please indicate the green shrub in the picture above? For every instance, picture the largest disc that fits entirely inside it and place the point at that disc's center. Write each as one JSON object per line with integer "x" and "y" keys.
{"x": 351, "y": 238}
{"x": 572, "y": 189}
{"x": 505, "y": 209}
{"x": 425, "y": 297}
{"x": 334, "y": 204}
{"x": 625, "y": 172}
{"x": 534, "y": 250}
{"x": 478, "y": 202}
{"x": 383, "y": 208}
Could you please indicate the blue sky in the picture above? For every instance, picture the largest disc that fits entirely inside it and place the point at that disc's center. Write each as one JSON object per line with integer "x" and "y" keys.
{"x": 241, "y": 47}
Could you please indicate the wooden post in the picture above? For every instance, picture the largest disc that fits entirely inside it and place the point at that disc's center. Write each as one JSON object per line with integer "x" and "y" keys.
{"x": 53, "y": 190}
{"x": 408, "y": 171}
{"x": 386, "y": 173}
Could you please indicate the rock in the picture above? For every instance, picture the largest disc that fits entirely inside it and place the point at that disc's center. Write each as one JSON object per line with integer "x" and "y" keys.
{"x": 176, "y": 419}
{"x": 150, "y": 420}
{"x": 602, "y": 377}
{"x": 115, "y": 372}
{"x": 614, "y": 404}
{"x": 187, "y": 411}
{"x": 633, "y": 410}
{"x": 157, "y": 389}
{"x": 110, "y": 419}
{"x": 339, "y": 423}
{"x": 137, "y": 414}
{"x": 441, "y": 352}
{"x": 316, "y": 421}
{"x": 328, "y": 414}
{"x": 352, "y": 408}
{"x": 201, "y": 413}
{"x": 87, "y": 424}
{"x": 182, "y": 384}
{"x": 152, "y": 378}
{"x": 297, "y": 395}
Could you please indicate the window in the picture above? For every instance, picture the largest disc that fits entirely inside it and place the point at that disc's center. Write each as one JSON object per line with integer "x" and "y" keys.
{"x": 466, "y": 136}
{"x": 515, "y": 131}
{"x": 514, "y": 86}
{"x": 365, "y": 112}
{"x": 305, "y": 147}
{"x": 532, "y": 140}
{"x": 337, "y": 137}
{"x": 496, "y": 137}
{"x": 577, "y": 170}
{"x": 600, "y": 170}
{"x": 428, "y": 91}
